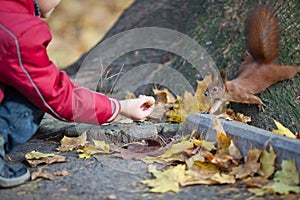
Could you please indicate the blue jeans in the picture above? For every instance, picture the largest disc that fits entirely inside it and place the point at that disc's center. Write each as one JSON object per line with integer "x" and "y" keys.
{"x": 19, "y": 119}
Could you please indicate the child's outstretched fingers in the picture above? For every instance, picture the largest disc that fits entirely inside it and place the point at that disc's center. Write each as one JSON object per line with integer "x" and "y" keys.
{"x": 137, "y": 109}
{"x": 149, "y": 102}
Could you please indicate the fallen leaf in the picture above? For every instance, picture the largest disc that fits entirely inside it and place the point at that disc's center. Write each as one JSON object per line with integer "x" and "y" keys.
{"x": 289, "y": 173}
{"x": 189, "y": 105}
{"x": 40, "y": 173}
{"x": 250, "y": 167}
{"x": 242, "y": 118}
{"x": 222, "y": 178}
{"x": 234, "y": 151}
{"x": 101, "y": 145}
{"x": 168, "y": 180}
{"x": 35, "y": 158}
{"x": 72, "y": 143}
{"x": 281, "y": 130}
{"x": 88, "y": 149}
{"x": 224, "y": 161}
{"x": 47, "y": 160}
{"x": 222, "y": 139}
{"x": 257, "y": 182}
{"x": 267, "y": 161}
{"x": 231, "y": 116}
{"x": 140, "y": 150}
{"x": 205, "y": 144}
{"x": 186, "y": 105}
{"x": 282, "y": 188}
{"x": 177, "y": 148}
{"x": 37, "y": 155}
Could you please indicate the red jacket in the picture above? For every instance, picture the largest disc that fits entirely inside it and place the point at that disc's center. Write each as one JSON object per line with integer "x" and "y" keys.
{"x": 25, "y": 66}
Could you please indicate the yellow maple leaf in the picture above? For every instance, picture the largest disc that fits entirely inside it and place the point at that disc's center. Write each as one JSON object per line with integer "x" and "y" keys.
{"x": 187, "y": 104}
{"x": 267, "y": 161}
{"x": 88, "y": 150}
{"x": 177, "y": 148}
{"x": 281, "y": 130}
{"x": 168, "y": 180}
{"x": 71, "y": 143}
{"x": 203, "y": 143}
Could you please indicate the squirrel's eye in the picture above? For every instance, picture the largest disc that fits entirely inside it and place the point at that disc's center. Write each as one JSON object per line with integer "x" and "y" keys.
{"x": 215, "y": 89}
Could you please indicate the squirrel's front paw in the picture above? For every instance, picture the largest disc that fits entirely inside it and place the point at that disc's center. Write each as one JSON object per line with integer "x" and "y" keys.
{"x": 261, "y": 107}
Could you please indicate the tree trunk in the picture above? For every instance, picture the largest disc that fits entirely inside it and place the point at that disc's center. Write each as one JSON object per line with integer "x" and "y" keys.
{"x": 218, "y": 26}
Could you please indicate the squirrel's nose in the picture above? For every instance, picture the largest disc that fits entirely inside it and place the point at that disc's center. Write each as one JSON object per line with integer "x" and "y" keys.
{"x": 206, "y": 93}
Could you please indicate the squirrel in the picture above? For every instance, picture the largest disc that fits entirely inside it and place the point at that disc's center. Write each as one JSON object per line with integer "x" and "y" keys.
{"x": 258, "y": 70}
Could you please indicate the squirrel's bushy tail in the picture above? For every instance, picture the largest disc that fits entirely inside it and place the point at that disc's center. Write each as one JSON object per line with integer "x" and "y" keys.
{"x": 262, "y": 35}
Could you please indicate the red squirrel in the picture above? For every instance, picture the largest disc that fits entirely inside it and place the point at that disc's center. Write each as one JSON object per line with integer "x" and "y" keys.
{"x": 258, "y": 70}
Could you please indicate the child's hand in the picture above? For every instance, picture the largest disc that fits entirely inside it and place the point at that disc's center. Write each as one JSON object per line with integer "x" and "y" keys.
{"x": 137, "y": 109}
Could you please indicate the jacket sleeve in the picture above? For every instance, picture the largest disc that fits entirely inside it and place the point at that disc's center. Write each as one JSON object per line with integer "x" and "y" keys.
{"x": 32, "y": 73}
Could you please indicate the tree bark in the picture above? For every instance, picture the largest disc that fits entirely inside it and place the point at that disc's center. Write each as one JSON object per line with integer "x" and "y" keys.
{"x": 218, "y": 26}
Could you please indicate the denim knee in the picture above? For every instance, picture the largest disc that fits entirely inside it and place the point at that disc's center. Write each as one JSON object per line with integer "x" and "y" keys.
{"x": 19, "y": 119}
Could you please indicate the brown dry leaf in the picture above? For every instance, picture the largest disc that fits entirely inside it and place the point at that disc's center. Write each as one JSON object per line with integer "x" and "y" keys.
{"x": 224, "y": 161}
{"x": 47, "y": 160}
{"x": 243, "y": 118}
{"x": 234, "y": 151}
{"x": 201, "y": 173}
{"x": 251, "y": 166}
{"x": 230, "y": 115}
{"x": 164, "y": 96}
{"x": 140, "y": 150}
{"x": 40, "y": 173}
{"x": 72, "y": 143}
{"x": 256, "y": 181}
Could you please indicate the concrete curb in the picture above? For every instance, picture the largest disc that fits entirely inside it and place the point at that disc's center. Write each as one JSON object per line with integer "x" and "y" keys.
{"x": 246, "y": 137}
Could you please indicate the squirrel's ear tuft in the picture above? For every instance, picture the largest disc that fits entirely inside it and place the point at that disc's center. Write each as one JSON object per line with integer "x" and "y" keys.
{"x": 223, "y": 75}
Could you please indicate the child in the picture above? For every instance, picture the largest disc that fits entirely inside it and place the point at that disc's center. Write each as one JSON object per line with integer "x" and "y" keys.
{"x": 30, "y": 85}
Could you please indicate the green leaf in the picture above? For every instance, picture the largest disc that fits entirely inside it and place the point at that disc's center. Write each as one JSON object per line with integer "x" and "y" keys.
{"x": 282, "y": 188}
{"x": 286, "y": 180}
{"x": 289, "y": 173}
